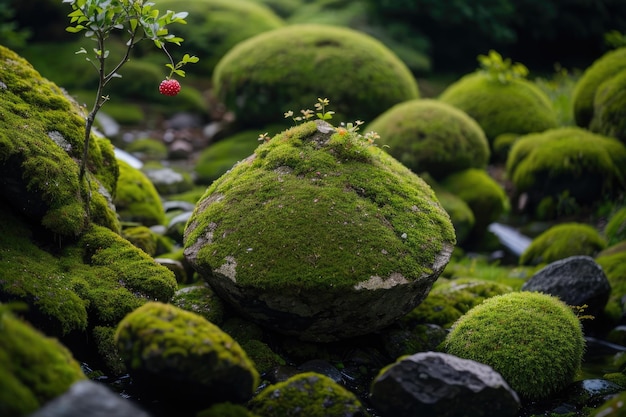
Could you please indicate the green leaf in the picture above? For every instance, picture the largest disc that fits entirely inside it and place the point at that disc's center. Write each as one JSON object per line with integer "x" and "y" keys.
{"x": 179, "y": 72}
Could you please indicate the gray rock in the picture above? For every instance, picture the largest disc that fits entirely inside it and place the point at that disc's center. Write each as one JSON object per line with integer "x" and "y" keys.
{"x": 88, "y": 398}
{"x": 440, "y": 385}
{"x": 577, "y": 280}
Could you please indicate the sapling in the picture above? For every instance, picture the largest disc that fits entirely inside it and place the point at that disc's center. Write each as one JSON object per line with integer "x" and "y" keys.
{"x": 136, "y": 20}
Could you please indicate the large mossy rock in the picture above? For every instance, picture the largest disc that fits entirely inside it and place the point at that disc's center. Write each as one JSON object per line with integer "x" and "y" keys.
{"x": 289, "y": 68}
{"x": 517, "y": 106}
{"x": 215, "y": 26}
{"x": 320, "y": 235}
{"x": 603, "y": 69}
{"x": 180, "y": 356}
{"x": 431, "y": 136}
{"x": 34, "y": 369}
{"x": 609, "y": 116}
{"x": 567, "y": 162}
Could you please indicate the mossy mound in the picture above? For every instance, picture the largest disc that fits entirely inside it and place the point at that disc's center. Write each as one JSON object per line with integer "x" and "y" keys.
{"x": 604, "y": 68}
{"x": 179, "y": 355}
{"x": 219, "y": 157}
{"x": 34, "y": 369}
{"x": 41, "y": 139}
{"x": 483, "y": 195}
{"x": 137, "y": 199}
{"x": 518, "y": 106}
{"x": 289, "y": 68}
{"x": 562, "y": 241}
{"x": 609, "y": 115}
{"x": 533, "y": 340}
{"x": 201, "y": 300}
{"x": 308, "y": 394}
{"x": 321, "y": 227}
{"x": 567, "y": 161}
{"x": 216, "y": 26}
{"x": 431, "y": 136}
{"x": 615, "y": 229}
{"x": 613, "y": 263}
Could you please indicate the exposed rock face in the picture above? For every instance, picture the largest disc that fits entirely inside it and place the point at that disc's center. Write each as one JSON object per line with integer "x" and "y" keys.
{"x": 320, "y": 235}
{"x": 439, "y": 385}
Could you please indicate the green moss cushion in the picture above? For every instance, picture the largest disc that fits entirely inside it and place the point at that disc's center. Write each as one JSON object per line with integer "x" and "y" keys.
{"x": 533, "y": 340}
{"x": 583, "y": 96}
{"x": 137, "y": 199}
{"x": 215, "y": 26}
{"x": 609, "y": 115}
{"x": 431, "y": 136}
{"x": 613, "y": 263}
{"x": 289, "y": 68}
{"x": 309, "y": 394}
{"x": 562, "y": 241}
{"x": 34, "y": 369}
{"x": 181, "y": 356}
{"x": 319, "y": 234}
{"x": 516, "y": 107}
{"x": 615, "y": 229}
{"x": 41, "y": 141}
{"x": 569, "y": 159}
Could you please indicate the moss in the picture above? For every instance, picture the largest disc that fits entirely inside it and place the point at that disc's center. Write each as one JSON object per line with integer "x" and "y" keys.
{"x": 615, "y": 229}
{"x": 201, "y": 300}
{"x": 180, "y": 354}
{"x": 307, "y": 394}
{"x": 226, "y": 410}
{"x": 137, "y": 199}
{"x": 289, "y": 68}
{"x": 35, "y": 368}
{"x": 604, "y": 68}
{"x": 585, "y": 165}
{"x": 142, "y": 237}
{"x": 483, "y": 195}
{"x": 517, "y": 107}
{"x": 562, "y": 241}
{"x": 533, "y": 340}
{"x": 614, "y": 406}
{"x": 613, "y": 263}
{"x": 104, "y": 337}
{"x": 147, "y": 149}
{"x": 609, "y": 108}
{"x": 41, "y": 138}
{"x": 124, "y": 113}
{"x": 219, "y": 157}
{"x": 263, "y": 357}
{"x": 430, "y": 136}
{"x": 355, "y": 200}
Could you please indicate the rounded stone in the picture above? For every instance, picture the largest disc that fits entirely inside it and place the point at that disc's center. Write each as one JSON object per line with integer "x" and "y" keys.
{"x": 321, "y": 235}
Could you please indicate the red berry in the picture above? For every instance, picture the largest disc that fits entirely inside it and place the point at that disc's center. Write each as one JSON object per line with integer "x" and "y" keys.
{"x": 169, "y": 87}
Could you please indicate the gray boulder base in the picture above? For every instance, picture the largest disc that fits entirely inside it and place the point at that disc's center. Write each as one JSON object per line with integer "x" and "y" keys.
{"x": 432, "y": 384}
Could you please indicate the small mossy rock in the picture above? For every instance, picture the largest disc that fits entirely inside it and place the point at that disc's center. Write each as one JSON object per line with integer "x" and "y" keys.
{"x": 147, "y": 149}
{"x": 587, "y": 166}
{"x": 562, "y": 241}
{"x": 142, "y": 237}
{"x": 226, "y": 410}
{"x": 518, "y": 106}
{"x": 534, "y": 340}
{"x": 34, "y": 368}
{"x": 399, "y": 341}
{"x": 42, "y": 134}
{"x": 219, "y": 157}
{"x": 216, "y": 26}
{"x": 430, "y": 136}
{"x": 137, "y": 199}
{"x": 201, "y": 300}
{"x": 319, "y": 235}
{"x": 482, "y": 193}
{"x": 308, "y": 394}
{"x": 613, "y": 263}
{"x": 609, "y": 115}
{"x": 290, "y": 68}
{"x": 607, "y": 66}
{"x": 175, "y": 354}
{"x": 615, "y": 229}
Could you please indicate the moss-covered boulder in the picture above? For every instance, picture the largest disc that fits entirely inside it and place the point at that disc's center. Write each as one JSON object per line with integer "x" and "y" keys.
{"x": 431, "y": 136}
{"x": 41, "y": 139}
{"x": 309, "y": 394}
{"x": 289, "y": 68}
{"x": 320, "y": 235}
{"x": 562, "y": 241}
{"x": 216, "y": 26}
{"x": 613, "y": 263}
{"x": 518, "y": 106}
{"x": 615, "y": 229}
{"x": 534, "y": 340}
{"x": 137, "y": 199}
{"x": 583, "y": 97}
{"x": 175, "y": 355}
{"x": 34, "y": 369}
{"x": 484, "y": 195}
{"x": 609, "y": 115}
{"x": 566, "y": 162}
